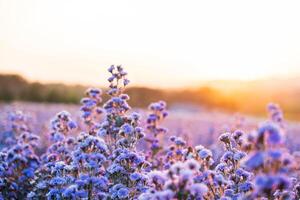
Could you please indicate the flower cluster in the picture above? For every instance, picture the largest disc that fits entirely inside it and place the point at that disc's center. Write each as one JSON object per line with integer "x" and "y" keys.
{"x": 61, "y": 126}
{"x": 101, "y": 162}
{"x": 101, "y": 159}
{"x": 91, "y": 109}
{"x": 122, "y": 132}
{"x": 53, "y": 173}
{"x": 183, "y": 175}
{"x": 117, "y": 80}
{"x": 270, "y": 161}
{"x": 19, "y": 161}
{"x": 157, "y": 114}
{"x": 178, "y": 182}
{"x": 17, "y": 122}
{"x": 275, "y": 113}
{"x": 238, "y": 180}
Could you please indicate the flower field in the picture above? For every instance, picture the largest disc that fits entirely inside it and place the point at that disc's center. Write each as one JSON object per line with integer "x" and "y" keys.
{"x": 108, "y": 150}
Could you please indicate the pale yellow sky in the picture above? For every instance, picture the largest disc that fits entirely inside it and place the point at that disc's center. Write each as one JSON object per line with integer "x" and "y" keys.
{"x": 160, "y": 42}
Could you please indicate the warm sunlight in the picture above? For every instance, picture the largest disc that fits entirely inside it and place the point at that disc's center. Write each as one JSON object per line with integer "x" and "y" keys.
{"x": 147, "y": 100}
{"x": 187, "y": 42}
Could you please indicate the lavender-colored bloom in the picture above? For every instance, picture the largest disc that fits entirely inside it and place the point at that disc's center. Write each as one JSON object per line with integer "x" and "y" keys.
{"x": 255, "y": 161}
{"x": 229, "y": 192}
{"x": 198, "y": 190}
{"x": 204, "y": 153}
{"x": 192, "y": 164}
{"x": 275, "y": 154}
{"x": 239, "y": 155}
{"x": 135, "y": 176}
{"x": 275, "y": 113}
{"x": 70, "y": 192}
{"x": 29, "y": 172}
{"x": 42, "y": 185}
{"x": 157, "y": 177}
{"x": 72, "y": 125}
{"x": 245, "y": 187}
{"x": 101, "y": 159}
{"x": 111, "y": 68}
{"x": 57, "y": 181}
{"x": 127, "y": 129}
{"x": 271, "y": 132}
{"x": 225, "y": 137}
{"x": 179, "y": 141}
{"x": 31, "y": 195}
{"x": 237, "y": 134}
{"x": 123, "y": 193}
{"x": 126, "y": 82}
{"x": 221, "y": 167}
{"x": 267, "y": 184}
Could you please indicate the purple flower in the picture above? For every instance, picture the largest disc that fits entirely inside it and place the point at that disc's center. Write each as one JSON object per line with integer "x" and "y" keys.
{"x": 204, "y": 153}
{"x": 245, "y": 187}
{"x": 225, "y": 137}
{"x": 198, "y": 190}
{"x": 275, "y": 154}
{"x": 123, "y": 193}
{"x": 135, "y": 176}
{"x": 157, "y": 177}
{"x": 72, "y": 125}
{"x": 29, "y": 172}
{"x": 126, "y": 82}
{"x": 127, "y": 129}
{"x": 57, "y": 181}
{"x": 111, "y": 68}
{"x": 271, "y": 132}
{"x": 192, "y": 164}
{"x": 255, "y": 161}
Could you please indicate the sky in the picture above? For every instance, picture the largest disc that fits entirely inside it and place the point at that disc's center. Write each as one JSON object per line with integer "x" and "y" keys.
{"x": 161, "y": 43}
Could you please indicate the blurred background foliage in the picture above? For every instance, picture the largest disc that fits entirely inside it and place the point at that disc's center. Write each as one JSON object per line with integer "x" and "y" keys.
{"x": 244, "y": 97}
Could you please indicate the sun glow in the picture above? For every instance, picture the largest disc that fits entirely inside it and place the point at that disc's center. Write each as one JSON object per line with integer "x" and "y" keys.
{"x": 172, "y": 43}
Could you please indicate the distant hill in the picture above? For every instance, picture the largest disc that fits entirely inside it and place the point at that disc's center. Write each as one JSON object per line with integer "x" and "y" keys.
{"x": 235, "y": 96}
